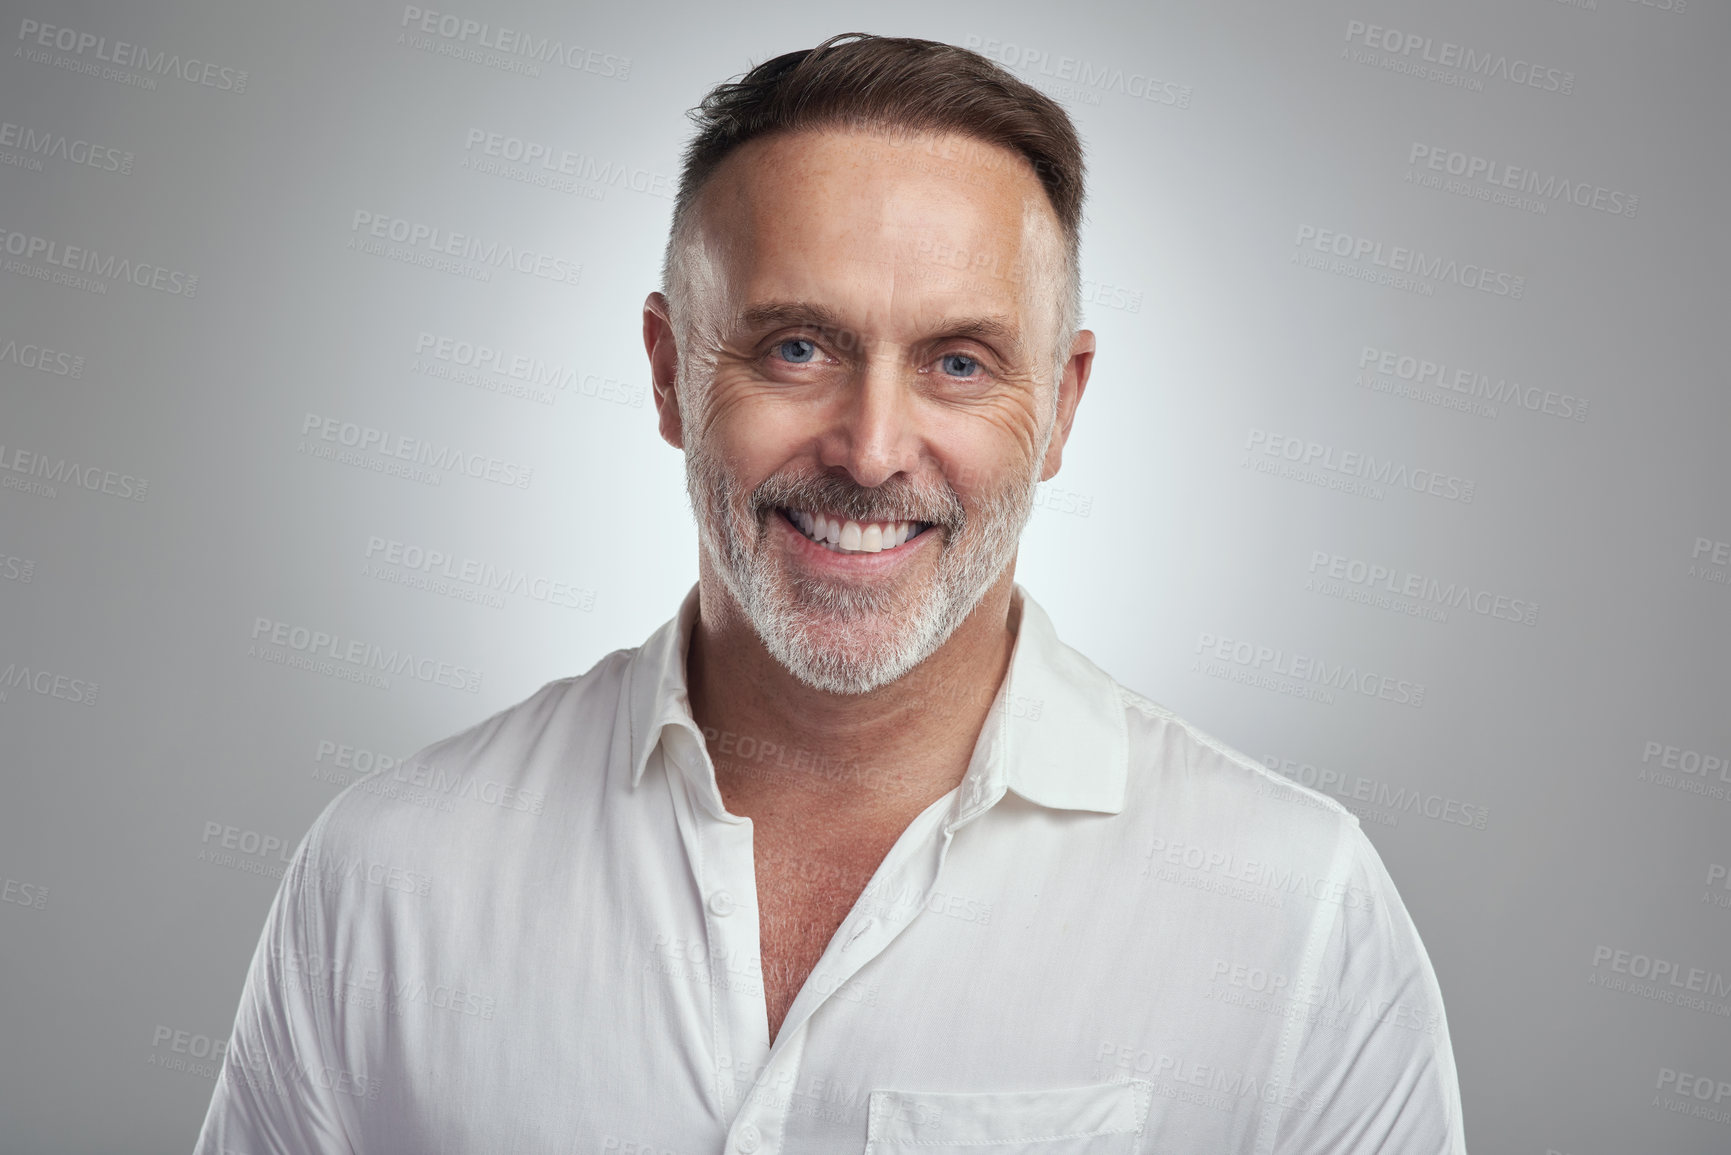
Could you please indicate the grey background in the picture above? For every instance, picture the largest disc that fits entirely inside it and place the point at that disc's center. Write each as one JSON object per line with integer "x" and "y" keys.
{"x": 155, "y": 781}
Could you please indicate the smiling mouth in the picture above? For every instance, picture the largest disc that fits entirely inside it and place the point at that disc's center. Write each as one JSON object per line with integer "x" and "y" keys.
{"x": 840, "y": 535}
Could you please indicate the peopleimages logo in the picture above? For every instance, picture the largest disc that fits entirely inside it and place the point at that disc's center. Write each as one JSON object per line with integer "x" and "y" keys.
{"x": 416, "y": 782}
{"x": 434, "y": 569}
{"x": 33, "y": 146}
{"x": 1448, "y": 59}
{"x": 1166, "y": 861}
{"x": 535, "y": 378}
{"x": 26, "y": 894}
{"x": 351, "y": 659}
{"x": 17, "y": 569}
{"x": 48, "y": 684}
{"x": 1391, "y": 800}
{"x": 1501, "y": 177}
{"x": 1700, "y": 1096}
{"x": 185, "y": 1049}
{"x": 1408, "y": 592}
{"x": 372, "y": 987}
{"x": 555, "y": 161}
{"x": 1455, "y": 387}
{"x": 1320, "y": 1003}
{"x": 1302, "y": 675}
{"x": 1400, "y": 267}
{"x": 248, "y": 851}
{"x": 45, "y": 471}
{"x": 346, "y": 441}
{"x": 1682, "y": 768}
{"x": 1355, "y": 472}
{"x": 1661, "y": 980}
{"x": 1205, "y": 1084}
{"x": 33, "y": 252}
{"x": 27, "y": 355}
{"x": 89, "y": 47}
{"x": 1718, "y": 880}
{"x": 472, "y": 39}
{"x": 1710, "y": 561}
{"x": 427, "y": 244}
{"x": 1090, "y": 77}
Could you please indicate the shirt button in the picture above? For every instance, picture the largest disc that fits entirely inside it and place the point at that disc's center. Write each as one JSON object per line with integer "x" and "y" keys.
{"x": 749, "y": 1139}
{"x": 721, "y": 903}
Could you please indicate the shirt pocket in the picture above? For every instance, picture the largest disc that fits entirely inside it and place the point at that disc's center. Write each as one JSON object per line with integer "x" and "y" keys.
{"x": 1100, "y": 1119}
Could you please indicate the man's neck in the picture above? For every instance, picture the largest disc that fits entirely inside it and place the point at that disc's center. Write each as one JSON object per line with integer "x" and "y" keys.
{"x": 784, "y": 749}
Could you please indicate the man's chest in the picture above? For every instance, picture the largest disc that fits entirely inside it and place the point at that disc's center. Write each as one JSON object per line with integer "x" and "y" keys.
{"x": 802, "y": 897}
{"x": 990, "y": 969}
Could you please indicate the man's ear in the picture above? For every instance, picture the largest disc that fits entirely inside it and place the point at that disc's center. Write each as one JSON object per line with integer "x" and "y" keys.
{"x": 663, "y": 367}
{"x": 1071, "y": 384}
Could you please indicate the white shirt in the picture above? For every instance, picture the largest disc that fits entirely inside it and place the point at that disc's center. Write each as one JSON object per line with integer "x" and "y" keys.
{"x": 1115, "y": 935}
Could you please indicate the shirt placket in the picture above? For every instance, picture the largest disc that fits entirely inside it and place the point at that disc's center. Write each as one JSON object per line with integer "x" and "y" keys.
{"x": 912, "y": 867}
{"x": 719, "y": 849}
{"x": 723, "y": 864}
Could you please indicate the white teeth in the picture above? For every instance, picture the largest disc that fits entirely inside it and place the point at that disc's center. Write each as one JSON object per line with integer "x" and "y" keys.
{"x": 842, "y": 536}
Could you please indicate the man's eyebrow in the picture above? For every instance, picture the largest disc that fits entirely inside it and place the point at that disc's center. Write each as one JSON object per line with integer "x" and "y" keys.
{"x": 988, "y": 329}
{"x": 777, "y": 314}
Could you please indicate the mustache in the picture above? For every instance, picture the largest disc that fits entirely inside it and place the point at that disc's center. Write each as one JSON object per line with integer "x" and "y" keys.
{"x": 892, "y": 501}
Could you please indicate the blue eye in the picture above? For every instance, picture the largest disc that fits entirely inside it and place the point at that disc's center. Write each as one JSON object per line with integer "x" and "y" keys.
{"x": 803, "y": 350}
{"x": 950, "y": 360}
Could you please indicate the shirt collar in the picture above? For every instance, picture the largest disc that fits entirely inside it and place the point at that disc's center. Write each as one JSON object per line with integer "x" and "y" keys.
{"x": 1055, "y": 734}
{"x": 656, "y": 687}
{"x": 1065, "y": 741}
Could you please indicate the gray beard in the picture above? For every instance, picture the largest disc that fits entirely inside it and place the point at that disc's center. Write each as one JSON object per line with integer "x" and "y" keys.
{"x": 843, "y": 638}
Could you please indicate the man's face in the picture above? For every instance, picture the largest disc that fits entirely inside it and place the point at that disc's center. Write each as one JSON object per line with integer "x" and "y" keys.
{"x": 867, "y": 395}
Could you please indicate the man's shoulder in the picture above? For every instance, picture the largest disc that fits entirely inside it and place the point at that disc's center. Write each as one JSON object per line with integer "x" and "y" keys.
{"x": 508, "y": 766}
{"x": 579, "y": 708}
{"x": 1192, "y": 783}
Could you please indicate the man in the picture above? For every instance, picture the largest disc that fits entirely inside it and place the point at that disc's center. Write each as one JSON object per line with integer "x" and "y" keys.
{"x": 853, "y": 854}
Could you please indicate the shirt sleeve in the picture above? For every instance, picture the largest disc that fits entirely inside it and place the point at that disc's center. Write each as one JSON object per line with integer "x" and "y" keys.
{"x": 274, "y": 1094}
{"x": 1373, "y": 1069}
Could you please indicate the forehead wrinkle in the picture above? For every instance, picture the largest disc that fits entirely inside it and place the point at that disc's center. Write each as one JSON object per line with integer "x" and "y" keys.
{"x": 888, "y": 217}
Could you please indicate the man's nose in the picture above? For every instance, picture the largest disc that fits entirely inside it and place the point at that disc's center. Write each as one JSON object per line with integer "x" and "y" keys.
{"x": 876, "y": 431}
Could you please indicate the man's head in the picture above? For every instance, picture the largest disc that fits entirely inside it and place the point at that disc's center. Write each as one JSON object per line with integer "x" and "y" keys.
{"x": 870, "y": 320}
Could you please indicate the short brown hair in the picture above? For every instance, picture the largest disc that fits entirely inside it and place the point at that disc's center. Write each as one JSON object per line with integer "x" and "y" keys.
{"x": 897, "y": 84}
